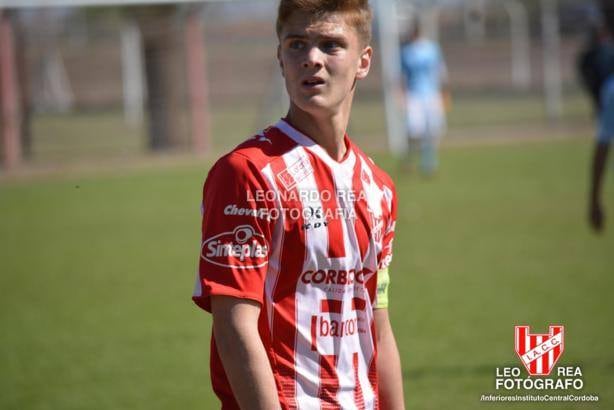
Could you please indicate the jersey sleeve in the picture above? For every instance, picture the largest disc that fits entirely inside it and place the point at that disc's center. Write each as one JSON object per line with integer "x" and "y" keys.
{"x": 236, "y": 232}
{"x": 383, "y": 277}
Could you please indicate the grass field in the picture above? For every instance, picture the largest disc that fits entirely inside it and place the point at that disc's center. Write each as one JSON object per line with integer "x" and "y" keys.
{"x": 83, "y": 136}
{"x": 97, "y": 273}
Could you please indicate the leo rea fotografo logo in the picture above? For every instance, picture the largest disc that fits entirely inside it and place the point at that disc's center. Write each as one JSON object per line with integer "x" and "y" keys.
{"x": 243, "y": 248}
{"x": 539, "y": 352}
{"x": 545, "y": 381}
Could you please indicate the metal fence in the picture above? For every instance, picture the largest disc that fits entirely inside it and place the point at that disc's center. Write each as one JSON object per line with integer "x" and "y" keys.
{"x": 109, "y": 82}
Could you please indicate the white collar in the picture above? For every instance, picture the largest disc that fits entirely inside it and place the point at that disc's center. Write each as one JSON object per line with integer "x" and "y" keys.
{"x": 346, "y": 164}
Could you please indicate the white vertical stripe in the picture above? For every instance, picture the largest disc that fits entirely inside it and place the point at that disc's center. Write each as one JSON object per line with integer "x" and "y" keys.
{"x": 527, "y": 344}
{"x": 374, "y": 194}
{"x": 550, "y": 357}
{"x": 538, "y": 341}
{"x": 363, "y": 377}
{"x": 316, "y": 239}
{"x": 374, "y": 201}
{"x": 276, "y": 245}
{"x": 517, "y": 340}
{"x": 306, "y": 361}
{"x": 363, "y": 343}
{"x": 376, "y": 206}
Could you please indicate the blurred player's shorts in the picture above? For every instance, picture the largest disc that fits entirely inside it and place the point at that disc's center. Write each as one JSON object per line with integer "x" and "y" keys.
{"x": 425, "y": 116}
{"x": 606, "y": 116}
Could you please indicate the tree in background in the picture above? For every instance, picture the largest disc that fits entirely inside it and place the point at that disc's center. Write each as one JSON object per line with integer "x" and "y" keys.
{"x": 163, "y": 58}
{"x": 607, "y": 6}
{"x": 162, "y": 36}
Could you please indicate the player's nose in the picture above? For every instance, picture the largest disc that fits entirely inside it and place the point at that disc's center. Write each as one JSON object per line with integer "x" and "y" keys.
{"x": 313, "y": 58}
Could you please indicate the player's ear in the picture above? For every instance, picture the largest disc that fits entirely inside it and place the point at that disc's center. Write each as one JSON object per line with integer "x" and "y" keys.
{"x": 364, "y": 63}
{"x": 281, "y": 64}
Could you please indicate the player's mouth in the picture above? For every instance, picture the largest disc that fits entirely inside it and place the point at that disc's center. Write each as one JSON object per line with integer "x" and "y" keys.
{"x": 313, "y": 82}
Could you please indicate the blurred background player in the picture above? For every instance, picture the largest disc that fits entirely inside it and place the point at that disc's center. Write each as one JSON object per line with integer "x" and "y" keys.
{"x": 589, "y": 65}
{"x": 425, "y": 75}
{"x": 596, "y": 66}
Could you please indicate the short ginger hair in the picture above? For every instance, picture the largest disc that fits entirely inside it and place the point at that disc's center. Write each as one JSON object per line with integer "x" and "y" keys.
{"x": 357, "y": 13}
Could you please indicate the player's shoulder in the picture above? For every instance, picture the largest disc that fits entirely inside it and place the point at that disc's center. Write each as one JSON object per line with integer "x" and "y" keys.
{"x": 379, "y": 175}
{"x": 428, "y": 46}
{"x": 255, "y": 153}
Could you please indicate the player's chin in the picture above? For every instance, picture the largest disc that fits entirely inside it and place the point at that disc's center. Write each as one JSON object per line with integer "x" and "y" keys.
{"x": 317, "y": 108}
{"x": 312, "y": 102}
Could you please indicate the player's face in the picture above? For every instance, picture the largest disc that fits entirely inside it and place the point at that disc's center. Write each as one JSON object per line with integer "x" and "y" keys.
{"x": 321, "y": 59}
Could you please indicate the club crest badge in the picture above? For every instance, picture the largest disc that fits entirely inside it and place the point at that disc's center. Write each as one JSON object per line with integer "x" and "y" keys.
{"x": 539, "y": 352}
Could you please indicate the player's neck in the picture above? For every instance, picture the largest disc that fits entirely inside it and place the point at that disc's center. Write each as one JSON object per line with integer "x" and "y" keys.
{"x": 326, "y": 131}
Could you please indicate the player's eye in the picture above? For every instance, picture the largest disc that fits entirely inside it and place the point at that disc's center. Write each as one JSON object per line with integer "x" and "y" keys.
{"x": 296, "y": 45}
{"x": 331, "y": 45}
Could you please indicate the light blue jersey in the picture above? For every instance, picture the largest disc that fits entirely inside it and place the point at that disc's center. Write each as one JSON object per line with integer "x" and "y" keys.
{"x": 423, "y": 67}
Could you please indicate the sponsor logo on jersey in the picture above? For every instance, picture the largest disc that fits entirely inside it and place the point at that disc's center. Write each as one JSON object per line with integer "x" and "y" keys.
{"x": 295, "y": 173}
{"x": 233, "y": 209}
{"x": 314, "y": 218}
{"x": 335, "y": 321}
{"x": 327, "y": 326}
{"x": 243, "y": 248}
{"x": 335, "y": 276}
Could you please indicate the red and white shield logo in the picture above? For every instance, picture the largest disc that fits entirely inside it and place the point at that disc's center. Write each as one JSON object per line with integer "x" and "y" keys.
{"x": 539, "y": 352}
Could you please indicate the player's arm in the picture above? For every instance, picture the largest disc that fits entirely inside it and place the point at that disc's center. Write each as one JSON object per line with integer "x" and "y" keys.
{"x": 231, "y": 288}
{"x": 389, "y": 374}
{"x": 390, "y": 377}
{"x": 600, "y": 157}
{"x": 235, "y": 328}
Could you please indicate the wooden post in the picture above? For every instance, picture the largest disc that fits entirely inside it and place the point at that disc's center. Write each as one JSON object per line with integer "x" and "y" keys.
{"x": 161, "y": 44}
{"x": 521, "y": 43}
{"x": 9, "y": 95}
{"x": 132, "y": 73}
{"x": 197, "y": 82}
{"x": 387, "y": 19}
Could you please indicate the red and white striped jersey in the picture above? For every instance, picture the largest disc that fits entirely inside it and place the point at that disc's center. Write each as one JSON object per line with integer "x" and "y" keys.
{"x": 306, "y": 236}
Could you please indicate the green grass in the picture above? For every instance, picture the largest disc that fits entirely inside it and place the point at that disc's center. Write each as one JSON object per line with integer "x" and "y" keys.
{"x": 85, "y": 136}
{"x": 471, "y": 111}
{"x": 499, "y": 239}
{"x": 65, "y": 137}
{"x": 97, "y": 274}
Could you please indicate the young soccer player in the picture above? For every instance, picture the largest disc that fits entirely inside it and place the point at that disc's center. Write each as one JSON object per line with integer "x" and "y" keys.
{"x": 297, "y": 232}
